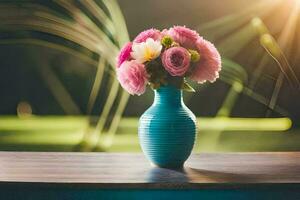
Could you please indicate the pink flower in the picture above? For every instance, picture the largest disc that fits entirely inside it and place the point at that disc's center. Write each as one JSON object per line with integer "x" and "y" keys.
{"x": 184, "y": 36}
{"x": 176, "y": 60}
{"x": 133, "y": 77}
{"x": 124, "y": 53}
{"x": 164, "y": 32}
{"x": 209, "y": 65}
{"x": 150, "y": 33}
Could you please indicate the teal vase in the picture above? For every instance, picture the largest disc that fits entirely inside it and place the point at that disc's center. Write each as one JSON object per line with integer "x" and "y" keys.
{"x": 167, "y": 129}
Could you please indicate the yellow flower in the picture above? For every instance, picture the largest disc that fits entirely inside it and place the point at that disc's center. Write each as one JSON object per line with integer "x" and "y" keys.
{"x": 146, "y": 51}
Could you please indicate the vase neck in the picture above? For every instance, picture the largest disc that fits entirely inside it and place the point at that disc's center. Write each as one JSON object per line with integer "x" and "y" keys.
{"x": 168, "y": 95}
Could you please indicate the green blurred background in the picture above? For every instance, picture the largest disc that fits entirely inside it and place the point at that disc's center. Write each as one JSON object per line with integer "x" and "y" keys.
{"x": 59, "y": 92}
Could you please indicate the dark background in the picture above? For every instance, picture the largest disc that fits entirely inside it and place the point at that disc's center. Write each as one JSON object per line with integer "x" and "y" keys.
{"x": 21, "y": 79}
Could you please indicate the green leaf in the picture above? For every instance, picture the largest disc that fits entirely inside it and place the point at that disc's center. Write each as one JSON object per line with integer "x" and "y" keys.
{"x": 186, "y": 87}
{"x": 154, "y": 86}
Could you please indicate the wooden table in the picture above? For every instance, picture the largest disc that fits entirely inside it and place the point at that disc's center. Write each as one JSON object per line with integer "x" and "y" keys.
{"x": 25, "y": 175}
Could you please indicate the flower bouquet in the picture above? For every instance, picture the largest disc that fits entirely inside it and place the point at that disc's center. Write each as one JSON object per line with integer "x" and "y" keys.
{"x": 164, "y": 60}
{"x": 168, "y": 57}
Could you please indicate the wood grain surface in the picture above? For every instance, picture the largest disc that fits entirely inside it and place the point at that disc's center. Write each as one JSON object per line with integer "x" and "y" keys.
{"x": 121, "y": 170}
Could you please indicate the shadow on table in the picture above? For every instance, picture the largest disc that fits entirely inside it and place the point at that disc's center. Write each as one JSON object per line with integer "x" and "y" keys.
{"x": 192, "y": 175}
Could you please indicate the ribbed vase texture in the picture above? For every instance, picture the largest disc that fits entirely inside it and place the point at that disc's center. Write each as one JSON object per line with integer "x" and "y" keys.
{"x": 167, "y": 129}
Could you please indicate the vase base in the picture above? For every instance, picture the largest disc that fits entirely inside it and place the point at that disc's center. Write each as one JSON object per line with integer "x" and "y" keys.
{"x": 173, "y": 166}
